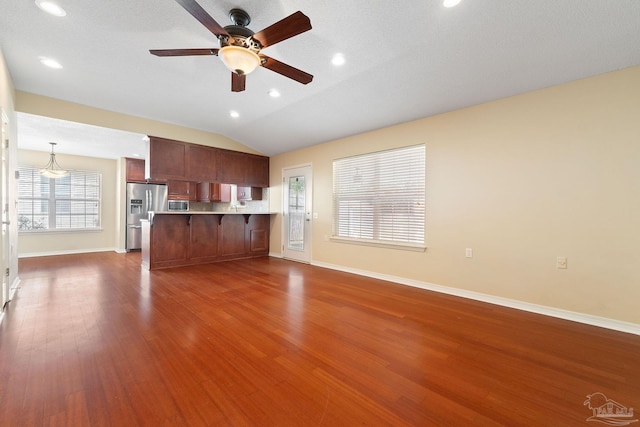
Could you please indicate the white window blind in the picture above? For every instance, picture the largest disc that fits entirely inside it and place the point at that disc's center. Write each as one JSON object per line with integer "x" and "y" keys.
{"x": 68, "y": 203}
{"x": 380, "y": 197}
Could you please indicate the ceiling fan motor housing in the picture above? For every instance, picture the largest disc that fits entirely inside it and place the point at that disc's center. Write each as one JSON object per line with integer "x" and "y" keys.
{"x": 242, "y": 36}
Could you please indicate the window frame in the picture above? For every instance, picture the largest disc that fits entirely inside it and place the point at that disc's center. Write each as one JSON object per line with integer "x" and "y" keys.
{"x": 379, "y": 195}
{"x": 54, "y": 200}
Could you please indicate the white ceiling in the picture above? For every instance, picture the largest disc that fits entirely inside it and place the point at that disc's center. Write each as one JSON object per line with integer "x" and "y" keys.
{"x": 405, "y": 60}
{"x": 35, "y": 133}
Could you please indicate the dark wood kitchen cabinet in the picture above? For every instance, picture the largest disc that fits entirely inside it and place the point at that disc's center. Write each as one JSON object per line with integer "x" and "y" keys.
{"x": 231, "y": 167}
{"x": 213, "y": 192}
{"x": 257, "y": 171}
{"x": 171, "y": 240}
{"x": 203, "y": 163}
{"x": 135, "y": 170}
{"x": 232, "y": 235}
{"x": 257, "y": 235}
{"x": 166, "y": 243}
{"x": 203, "y": 243}
{"x": 243, "y": 169}
{"x": 167, "y": 159}
{"x": 244, "y": 235}
{"x": 182, "y": 190}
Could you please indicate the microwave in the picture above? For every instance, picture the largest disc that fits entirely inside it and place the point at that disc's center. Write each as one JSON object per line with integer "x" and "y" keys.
{"x": 178, "y": 205}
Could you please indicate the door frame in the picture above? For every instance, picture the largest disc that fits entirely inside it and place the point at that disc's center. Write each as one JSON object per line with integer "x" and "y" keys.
{"x": 303, "y": 256}
{"x": 5, "y": 249}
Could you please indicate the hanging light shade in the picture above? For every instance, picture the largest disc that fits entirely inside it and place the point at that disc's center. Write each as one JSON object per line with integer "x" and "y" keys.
{"x": 238, "y": 59}
{"x": 53, "y": 169}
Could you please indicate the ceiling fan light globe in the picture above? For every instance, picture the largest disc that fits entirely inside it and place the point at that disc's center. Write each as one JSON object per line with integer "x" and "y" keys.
{"x": 238, "y": 59}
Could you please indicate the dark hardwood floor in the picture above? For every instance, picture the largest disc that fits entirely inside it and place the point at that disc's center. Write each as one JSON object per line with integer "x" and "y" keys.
{"x": 94, "y": 340}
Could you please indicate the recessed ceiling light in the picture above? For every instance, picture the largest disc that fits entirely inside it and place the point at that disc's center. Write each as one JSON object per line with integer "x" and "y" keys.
{"x": 234, "y": 114}
{"x": 450, "y": 3}
{"x": 338, "y": 59}
{"x": 274, "y": 93}
{"x": 52, "y": 63}
{"x": 51, "y": 8}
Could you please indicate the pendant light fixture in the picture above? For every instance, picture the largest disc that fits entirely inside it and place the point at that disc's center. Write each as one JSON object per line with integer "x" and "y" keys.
{"x": 53, "y": 169}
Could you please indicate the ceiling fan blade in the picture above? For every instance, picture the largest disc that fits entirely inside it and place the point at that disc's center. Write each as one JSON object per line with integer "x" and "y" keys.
{"x": 205, "y": 19}
{"x": 286, "y": 70}
{"x": 238, "y": 82}
{"x": 288, "y": 27}
{"x": 183, "y": 52}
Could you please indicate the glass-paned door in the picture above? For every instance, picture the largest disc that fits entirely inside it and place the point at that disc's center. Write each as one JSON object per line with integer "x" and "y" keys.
{"x": 297, "y": 214}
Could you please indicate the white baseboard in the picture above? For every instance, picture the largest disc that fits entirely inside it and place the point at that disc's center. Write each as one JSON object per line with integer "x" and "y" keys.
{"x": 68, "y": 252}
{"x": 603, "y": 322}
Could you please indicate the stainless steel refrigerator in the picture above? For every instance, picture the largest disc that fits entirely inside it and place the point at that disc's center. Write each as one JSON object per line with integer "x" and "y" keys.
{"x": 142, "y": 198}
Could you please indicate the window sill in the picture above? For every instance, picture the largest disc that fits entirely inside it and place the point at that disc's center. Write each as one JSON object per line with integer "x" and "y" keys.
{"x": 413, "y": 247}
{"x": 67, "y": 230}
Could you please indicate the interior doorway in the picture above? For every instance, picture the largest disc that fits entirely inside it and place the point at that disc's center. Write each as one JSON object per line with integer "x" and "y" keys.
{"x": 297, "y": 183}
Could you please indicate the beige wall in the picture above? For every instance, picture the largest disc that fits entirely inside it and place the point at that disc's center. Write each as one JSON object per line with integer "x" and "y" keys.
{"x": 51, "y": 107}
{"x": 79, "y": 241}
{"x": 522, "y": 180}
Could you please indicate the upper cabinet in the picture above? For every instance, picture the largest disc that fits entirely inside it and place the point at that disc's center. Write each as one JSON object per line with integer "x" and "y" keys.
{"x": 167, "y": 159}
{"x": 182, "y": 190}
{"x": 177, "y": 160}
{"x": 231, "y": 167}
{"x": 135, "y": 170}
{"x": 257, "y": 171}
{"x": 243, "y": 169}
{"x": 203, "y": 163}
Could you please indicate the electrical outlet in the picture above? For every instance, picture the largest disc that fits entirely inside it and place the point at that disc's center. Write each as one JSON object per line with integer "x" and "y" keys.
{"x": 561, "y": 262}
{"x": 468, "y": 253}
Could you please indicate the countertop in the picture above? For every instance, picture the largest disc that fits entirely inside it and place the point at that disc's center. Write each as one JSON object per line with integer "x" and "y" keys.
{"x": 211, "y": 213}
{"x": 152, "y": 214}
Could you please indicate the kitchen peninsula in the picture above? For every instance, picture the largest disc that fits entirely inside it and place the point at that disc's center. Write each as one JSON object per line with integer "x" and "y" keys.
{"x": 227, "y": 215}
{"x": 172, "y": 239}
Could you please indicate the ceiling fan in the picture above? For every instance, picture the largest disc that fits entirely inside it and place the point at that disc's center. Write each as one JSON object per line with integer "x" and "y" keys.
{"x": 240, "y": 47}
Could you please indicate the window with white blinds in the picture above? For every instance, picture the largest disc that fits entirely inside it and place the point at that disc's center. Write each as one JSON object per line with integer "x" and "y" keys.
{"x": 380, "y": 197}
{"x": 68, "y": 203}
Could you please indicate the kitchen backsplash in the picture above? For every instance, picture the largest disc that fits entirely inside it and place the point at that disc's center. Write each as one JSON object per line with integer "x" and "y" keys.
{"x": 235, "y": 205}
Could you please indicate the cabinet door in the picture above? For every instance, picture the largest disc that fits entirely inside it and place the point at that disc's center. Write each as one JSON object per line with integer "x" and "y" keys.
{"x": 232, "y": 236}
{"x": 232, "y": 167}
{"x": 203, "y": 163}
{"x": 257, "y": 171}
{"x": 243, "y": 193}
{"x": 182, "y": 190}
{"x": 167, "y": 159}
{"x": 135, "y": 170}
{"x": 212, "y": 192}
{"x": 220, "y": 192}
{"x": 204, "y": 238}
{"x": 249, "y": 193}
{"x": 258, "y": 235}
{"x": 203, "y": 192}
{"x": 225, "y": 192}
{"x": 170, "y": 240}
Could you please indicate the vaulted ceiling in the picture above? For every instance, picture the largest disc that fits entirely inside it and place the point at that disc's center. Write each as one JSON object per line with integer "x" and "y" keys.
{"x": 404, "y": 60}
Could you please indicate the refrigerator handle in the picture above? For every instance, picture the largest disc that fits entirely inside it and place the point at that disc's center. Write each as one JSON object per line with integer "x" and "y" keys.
{"x": 149, "y": 195}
